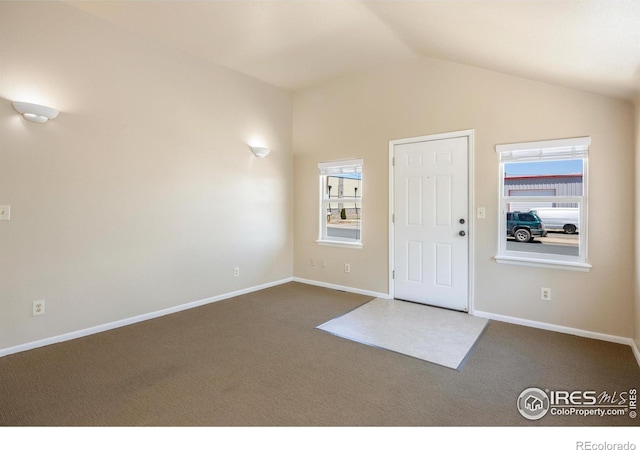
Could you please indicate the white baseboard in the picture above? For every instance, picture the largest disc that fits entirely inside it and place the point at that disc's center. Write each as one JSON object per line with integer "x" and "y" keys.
{"x": 217, "y": 298}
{"x": 562, "y": 329}
{"x": 136, "y": 319}
{"x": 341, "y": 288}
{"x": 498, "y": 317}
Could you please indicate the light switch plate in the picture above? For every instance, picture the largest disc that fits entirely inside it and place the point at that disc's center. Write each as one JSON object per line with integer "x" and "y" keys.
{"x": 5, "y": 212}
{"x": 482, "y": 213}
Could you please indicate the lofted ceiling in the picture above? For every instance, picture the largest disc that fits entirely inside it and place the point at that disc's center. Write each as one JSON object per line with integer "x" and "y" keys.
{"x": 592, "y": 45}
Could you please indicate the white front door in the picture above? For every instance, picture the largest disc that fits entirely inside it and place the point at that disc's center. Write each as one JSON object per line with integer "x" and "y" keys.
{"x": 431, "y": 224}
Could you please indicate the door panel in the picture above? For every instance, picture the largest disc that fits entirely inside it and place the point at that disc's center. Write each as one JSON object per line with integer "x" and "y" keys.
{"x": 414, "y": 201}
{"x": 442, "y": 201}
{"x": 444, "y": 265}
{"x": 430, "y": 200}
{"x": 414, "y": 261}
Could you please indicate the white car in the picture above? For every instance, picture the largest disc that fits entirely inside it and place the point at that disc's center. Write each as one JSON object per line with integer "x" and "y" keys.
{"x": 560, "y": 219}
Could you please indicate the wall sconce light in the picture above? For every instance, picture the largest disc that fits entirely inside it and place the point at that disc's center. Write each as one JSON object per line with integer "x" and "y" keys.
{"x": 35, "y": 113}
{"x": 260, "y": 152}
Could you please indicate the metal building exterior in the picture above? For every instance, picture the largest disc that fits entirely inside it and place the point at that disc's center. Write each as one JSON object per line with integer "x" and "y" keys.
{"x": 544, "y": 186}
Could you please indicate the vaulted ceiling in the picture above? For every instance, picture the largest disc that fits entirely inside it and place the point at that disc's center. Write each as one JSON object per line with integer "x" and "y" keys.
{"x": 592, "y": 45}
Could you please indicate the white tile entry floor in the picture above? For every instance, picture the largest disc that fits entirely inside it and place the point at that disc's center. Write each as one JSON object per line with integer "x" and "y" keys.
{"x": 433, "y": 334}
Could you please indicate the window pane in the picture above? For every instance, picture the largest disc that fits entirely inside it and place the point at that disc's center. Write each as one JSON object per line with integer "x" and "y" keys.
{"x": 342, "y": 203}
{"x": 543, "y": 188}
{"x": 544, "y": 179}
{"x": 542, "y": 229}
{"x": 339, "y": 229}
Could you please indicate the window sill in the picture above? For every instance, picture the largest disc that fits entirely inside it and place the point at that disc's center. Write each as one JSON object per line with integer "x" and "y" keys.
{"x": 339, "y": 244}
{"x": 544, "y": 263}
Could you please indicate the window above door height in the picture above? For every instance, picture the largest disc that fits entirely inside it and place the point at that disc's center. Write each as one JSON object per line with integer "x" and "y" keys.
{"x": 543, "y": 203}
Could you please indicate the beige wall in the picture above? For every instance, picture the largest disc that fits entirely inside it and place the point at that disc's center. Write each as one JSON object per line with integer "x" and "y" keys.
{"x": 142, "y": 194}
{"x": 357, "y": 116}
{"x": 637, "y": 226}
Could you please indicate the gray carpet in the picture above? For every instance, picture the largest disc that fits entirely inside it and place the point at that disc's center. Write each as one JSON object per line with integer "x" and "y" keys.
{"x": 258, "y": 360}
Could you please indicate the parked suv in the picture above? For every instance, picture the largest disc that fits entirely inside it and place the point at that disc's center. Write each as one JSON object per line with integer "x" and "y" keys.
{"x": 524, "y": 226}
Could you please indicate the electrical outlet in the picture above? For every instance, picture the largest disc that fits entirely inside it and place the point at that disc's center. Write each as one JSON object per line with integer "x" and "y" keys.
{"x": 38, "y": 307}
{"x": 347, "y": 268}
{"x": 323, "y": 262}
{"x": 236, "y": 272}
{"x": 545, "y": 294}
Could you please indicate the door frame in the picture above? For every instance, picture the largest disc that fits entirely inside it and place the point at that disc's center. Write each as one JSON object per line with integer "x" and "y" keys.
{"x": 470, "y": 135}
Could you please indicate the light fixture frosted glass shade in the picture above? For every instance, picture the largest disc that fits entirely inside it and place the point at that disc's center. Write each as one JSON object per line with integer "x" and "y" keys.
{"x": 260, "y": 152}
{"x": 35, "y": 113}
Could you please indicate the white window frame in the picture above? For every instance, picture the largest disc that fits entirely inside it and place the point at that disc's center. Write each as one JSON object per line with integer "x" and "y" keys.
{"x": 325, "y": 170}
{"x": 559, "y": 149}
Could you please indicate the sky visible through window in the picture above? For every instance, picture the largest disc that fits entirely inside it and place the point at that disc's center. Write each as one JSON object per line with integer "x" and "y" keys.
{"x": 563, "y": 167}
{"x": 351, "y": 176}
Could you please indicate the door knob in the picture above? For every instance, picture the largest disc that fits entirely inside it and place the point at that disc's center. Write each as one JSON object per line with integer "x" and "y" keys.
{"x": 462, "y": 233}
{"x": 461, "y": 221}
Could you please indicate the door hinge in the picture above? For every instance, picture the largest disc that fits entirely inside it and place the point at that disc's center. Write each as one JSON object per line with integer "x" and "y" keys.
{"x": 393, "y": 274}
{"x": 393, "y": 161}
{"x": 393, "y": 218}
